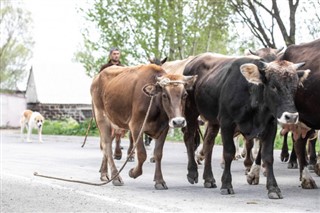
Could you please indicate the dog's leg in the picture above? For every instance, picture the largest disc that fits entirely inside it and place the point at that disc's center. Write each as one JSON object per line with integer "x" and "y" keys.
{"x": 22, "y": 124}
{"x": 29, "y": 133}
{"x": 40, "y": 134}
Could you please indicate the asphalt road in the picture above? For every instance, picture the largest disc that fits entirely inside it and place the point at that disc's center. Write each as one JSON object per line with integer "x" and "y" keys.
{"x": 63, "y": 156}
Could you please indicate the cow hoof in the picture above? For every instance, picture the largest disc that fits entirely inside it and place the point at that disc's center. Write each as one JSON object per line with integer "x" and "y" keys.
{"x": 118, "y": 181}
{"x": 131, "y": 159}
{"x": 237, "y": 157}
{"x": 133, "y": 174}
{"x": 117, "y": 157}
{"x": 192, "y": 178}
{"x": 252, "y": 179}
{"x": 275, "y": 195}
{"x": 152, "y": 160}
{"x": 284, "y": 157}
{"x": 308, "y": 184}
{"x": 104, "y": 178}
{"x": 160, "y": 186}
{"x": 292, "y": 165}
{"x": 227, "y": 191}
{"x": 210, "y": 184}
{"x": 247, "y": 170}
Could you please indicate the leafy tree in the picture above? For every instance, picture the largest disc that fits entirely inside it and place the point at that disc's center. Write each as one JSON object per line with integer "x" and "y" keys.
{"x": 153, "y": 28}
{"x": 15, "y": 44}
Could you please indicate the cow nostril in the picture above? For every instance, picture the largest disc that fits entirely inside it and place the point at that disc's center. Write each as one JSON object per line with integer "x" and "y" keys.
{"x": 287, "y": 117}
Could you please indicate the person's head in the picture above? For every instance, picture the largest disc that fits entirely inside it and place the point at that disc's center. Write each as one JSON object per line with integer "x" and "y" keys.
{"x": 114, "y": 55}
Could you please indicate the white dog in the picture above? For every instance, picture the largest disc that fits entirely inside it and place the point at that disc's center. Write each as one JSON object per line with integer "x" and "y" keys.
{"x": 31, "y": 120}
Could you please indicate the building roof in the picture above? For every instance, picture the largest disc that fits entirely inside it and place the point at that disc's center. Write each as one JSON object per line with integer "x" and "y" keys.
{"x": 57, "y": 83}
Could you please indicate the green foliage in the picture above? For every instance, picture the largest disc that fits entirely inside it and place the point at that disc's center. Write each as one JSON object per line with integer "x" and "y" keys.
{"x": 69, "y": 127}
{"x": 15, "y": 44}
{"x": 152, "y": 28}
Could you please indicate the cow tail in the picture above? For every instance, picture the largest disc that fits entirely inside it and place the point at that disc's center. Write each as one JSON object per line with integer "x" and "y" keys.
{"x": 89, "y": 125}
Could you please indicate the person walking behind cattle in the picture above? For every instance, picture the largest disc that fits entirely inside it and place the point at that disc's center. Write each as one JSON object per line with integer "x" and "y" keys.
{"x": 114, "y": 59}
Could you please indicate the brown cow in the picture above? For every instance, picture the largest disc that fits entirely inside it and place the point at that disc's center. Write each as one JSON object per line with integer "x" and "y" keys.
{"x": 119, "y": 99}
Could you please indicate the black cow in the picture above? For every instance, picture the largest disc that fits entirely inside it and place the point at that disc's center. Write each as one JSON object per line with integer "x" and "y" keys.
{"x": 307, "y": 98}
{"x": 239, "y": 94}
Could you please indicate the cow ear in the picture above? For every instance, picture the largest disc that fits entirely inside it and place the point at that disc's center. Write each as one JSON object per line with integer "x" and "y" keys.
{"x": 251, "y": 73}
{"x": 190, "y": 80}
{"x": 151, "y": 89}
{"x": 302, "y": 74}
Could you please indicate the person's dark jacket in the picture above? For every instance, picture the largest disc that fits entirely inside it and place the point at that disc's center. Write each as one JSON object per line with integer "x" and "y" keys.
{"x": 109, "y": 64}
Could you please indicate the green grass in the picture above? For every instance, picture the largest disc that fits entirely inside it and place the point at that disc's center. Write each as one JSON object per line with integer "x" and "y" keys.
{"x": 72, "y": 127}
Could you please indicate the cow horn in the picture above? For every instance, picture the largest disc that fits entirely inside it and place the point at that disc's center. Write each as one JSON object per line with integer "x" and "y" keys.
{"x": 279, "y": 50}
{"x": 186, "y": 78}
{"x": 253, "y": 52}
{"x": 298, "y": 65}
{"x": 263, "y": 65}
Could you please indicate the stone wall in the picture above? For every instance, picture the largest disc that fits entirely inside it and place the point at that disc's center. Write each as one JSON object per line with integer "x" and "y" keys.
{"x": 79, "y": 112}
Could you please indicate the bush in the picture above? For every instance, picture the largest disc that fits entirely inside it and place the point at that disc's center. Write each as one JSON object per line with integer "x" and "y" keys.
{"x": 69, "y": 127}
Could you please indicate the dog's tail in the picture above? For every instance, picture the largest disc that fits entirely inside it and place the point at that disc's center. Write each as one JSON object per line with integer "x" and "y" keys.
{"x": 85, "y": 139}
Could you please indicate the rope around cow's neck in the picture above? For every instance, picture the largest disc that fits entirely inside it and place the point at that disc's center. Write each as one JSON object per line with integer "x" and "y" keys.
{"x": 104, "y": 183}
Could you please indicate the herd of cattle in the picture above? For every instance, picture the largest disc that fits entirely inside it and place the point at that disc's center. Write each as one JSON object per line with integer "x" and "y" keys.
{"x": 249, "y": 95}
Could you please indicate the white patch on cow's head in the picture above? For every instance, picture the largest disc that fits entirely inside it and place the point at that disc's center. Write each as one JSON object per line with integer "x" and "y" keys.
{"x": 251, "y": 73}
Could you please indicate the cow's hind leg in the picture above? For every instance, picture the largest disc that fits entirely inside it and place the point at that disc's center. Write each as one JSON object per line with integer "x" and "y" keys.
{"x": 117, "y": 151}
{"x": 284, "y": 156}
{"x": 141, "y": 153}
{"x": 158, "y": 150}
{"x": 106, "y": 147}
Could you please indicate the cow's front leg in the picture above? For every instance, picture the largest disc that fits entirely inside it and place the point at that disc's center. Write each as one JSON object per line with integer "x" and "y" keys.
{"x": 141, "y": 153}
{"x": 227, "y": 132}
{"x": 267, "y": 142}
{"x": 211, "y": 133}
{"x": 157, "y": 154}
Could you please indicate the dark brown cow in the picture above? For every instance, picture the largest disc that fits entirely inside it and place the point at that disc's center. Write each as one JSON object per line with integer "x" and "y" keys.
{"x": 119, "y": 100}
{"x": 307, "y": 99}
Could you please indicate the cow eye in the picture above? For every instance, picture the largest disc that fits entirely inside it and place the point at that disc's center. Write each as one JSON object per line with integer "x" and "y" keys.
{"x": 185, "y": 95}
{"x": 164, "y": 95}
{"x": 274, "y": 88}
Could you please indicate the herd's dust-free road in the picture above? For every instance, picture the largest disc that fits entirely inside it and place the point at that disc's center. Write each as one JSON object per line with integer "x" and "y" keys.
{"x": 63, "y": 156}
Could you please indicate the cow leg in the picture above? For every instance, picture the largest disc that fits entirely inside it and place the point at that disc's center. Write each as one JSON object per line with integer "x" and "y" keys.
{"x": 307, "y": 181}
{"x": 209, "y": 140}
{"x": 267, "y": 143}
{"x": 130, "y": 158}
{"x": 227, "y": 132}
{"x": 141, "y": 152}
{"x": 248, "y": 161}
{"x": 293, "y": 164}
{"x": 253, "y": 175}
{"x": 190, "y": 132}
{"x": 106, "y": 147}
{"x": 157, "y": 154}
{"x": 284, "y": 156}
{"x": 117, "y": 151}
{"x": 312, "y": 153}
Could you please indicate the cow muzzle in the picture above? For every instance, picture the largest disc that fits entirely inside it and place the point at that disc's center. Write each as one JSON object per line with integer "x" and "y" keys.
{"x": 289, "y": 118}
{"x": 177, "y": 122}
